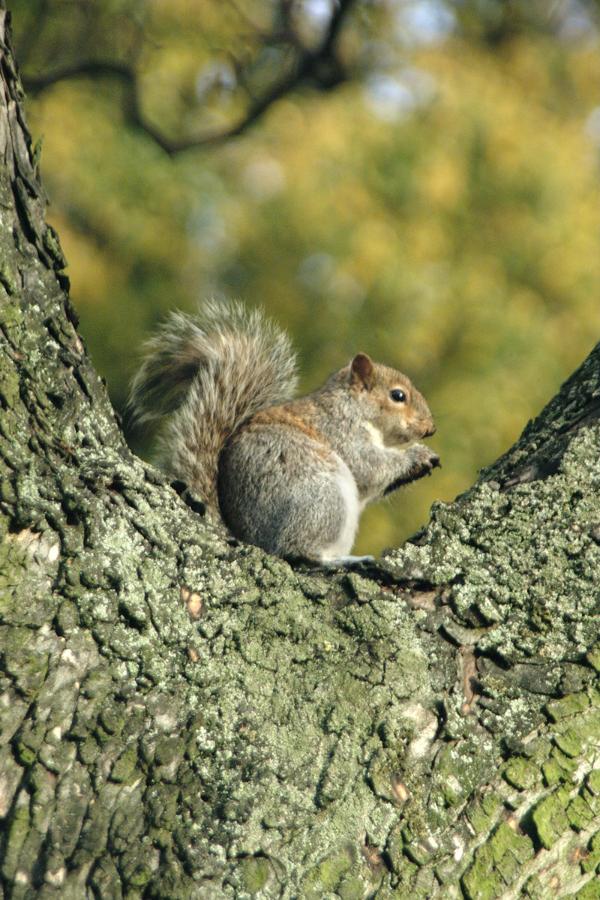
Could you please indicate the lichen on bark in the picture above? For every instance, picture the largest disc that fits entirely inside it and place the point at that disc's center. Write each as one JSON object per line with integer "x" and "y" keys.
{"x": 182, "y": 716}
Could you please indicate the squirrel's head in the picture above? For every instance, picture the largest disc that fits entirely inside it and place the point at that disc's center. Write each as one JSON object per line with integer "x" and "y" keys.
{"x": 392, "y": 403}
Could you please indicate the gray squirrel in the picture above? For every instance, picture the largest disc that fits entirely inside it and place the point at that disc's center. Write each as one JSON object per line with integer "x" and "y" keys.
{"x": 289, "y": 475}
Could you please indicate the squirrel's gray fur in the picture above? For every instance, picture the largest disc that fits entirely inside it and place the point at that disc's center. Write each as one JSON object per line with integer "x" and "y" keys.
{"x": 289, "y": 475}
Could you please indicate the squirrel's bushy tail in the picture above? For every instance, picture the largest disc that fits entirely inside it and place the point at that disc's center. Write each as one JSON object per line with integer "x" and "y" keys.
{"x": 204, "y": 375}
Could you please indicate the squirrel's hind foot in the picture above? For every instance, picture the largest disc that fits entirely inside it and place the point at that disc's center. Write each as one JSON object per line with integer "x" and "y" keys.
{"x": 344, "y": 562}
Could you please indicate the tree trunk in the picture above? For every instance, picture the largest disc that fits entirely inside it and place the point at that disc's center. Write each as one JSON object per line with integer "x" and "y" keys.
{"x": 182, "y": 716}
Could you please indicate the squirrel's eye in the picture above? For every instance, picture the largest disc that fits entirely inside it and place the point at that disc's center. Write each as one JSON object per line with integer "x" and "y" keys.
{"x": 398, "y": 396}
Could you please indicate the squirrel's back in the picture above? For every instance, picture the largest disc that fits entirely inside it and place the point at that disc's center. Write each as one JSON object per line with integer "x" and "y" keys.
{"x": 203, "y": 376}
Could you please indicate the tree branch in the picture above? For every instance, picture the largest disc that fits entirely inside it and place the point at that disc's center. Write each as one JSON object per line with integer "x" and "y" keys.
{"x": 36, "y": 84}
{"x": 182, "y": 716}
{"x": 320, "y": 68}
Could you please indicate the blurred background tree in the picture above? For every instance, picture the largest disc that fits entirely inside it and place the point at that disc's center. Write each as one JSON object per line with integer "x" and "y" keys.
{"x": 413, "y": 178}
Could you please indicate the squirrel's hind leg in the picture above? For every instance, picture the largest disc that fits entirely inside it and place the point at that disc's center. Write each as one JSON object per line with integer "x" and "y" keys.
{"x": 281, "y": 490}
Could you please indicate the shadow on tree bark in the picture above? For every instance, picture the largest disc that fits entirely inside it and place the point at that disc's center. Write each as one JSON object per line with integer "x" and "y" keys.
{"x": 182, "y": 716}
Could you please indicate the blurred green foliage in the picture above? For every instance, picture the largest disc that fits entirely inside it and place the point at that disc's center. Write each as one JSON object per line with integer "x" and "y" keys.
{"x": 441, "y": 211}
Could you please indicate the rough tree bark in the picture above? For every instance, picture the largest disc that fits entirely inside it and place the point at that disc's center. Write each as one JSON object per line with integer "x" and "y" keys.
{"x": 181, "y": 716}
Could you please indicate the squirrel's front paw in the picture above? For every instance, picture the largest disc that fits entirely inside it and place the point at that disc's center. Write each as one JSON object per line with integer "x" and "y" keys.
{"x": 420, "y": 462}
{"x": 425, "y": 460}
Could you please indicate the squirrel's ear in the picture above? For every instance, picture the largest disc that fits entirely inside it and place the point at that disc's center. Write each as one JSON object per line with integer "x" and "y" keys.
{"x": 362, "y": 371}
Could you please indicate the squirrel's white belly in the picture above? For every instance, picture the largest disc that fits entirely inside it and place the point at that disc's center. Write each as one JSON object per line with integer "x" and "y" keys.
{"x": 349, "y": 493}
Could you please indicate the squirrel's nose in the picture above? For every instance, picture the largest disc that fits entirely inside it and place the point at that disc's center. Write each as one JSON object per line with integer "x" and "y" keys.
{"x": 430, "y": 429}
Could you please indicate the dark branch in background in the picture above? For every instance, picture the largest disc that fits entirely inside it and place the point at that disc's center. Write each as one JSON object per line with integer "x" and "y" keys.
{"x": 320, "y": 68}
{"x": 35, "y": 84}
